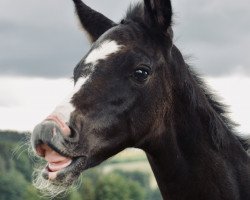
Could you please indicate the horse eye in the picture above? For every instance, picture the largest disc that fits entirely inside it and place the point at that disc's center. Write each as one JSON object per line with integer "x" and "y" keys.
{"x": 141, "y": 75}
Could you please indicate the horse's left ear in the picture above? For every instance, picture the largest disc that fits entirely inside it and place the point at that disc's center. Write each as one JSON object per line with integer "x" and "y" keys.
{"x": 158, "y": 14}
{"x": 92, "y": 21}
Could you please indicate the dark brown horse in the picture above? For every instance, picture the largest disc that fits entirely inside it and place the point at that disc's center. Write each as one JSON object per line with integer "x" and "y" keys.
{"x": 134, "y": 89}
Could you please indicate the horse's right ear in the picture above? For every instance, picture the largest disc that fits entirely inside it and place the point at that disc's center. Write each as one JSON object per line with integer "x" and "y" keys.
{"x": 158, "y": 15}
{"x": 92, "y": 21}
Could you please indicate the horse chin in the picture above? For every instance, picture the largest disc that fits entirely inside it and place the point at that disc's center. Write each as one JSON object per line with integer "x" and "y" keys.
{"x": 53, "y": 183}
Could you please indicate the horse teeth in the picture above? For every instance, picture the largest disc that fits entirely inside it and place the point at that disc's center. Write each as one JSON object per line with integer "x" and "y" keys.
{"x": 52, "y": 175}
{"x": 57, "y": 166}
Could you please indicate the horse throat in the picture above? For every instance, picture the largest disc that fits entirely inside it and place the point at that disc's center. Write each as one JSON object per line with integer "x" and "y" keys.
{"x": 194, "y": 157}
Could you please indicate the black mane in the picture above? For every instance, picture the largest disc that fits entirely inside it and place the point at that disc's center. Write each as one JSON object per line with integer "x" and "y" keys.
{"x": 193, "y": 87}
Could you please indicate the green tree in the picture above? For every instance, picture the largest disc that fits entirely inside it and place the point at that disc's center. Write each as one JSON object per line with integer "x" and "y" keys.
{"x": 75, "y": 196}
{"x": 155, "y": 195}
{"x": 2, "y": 164}
{"x": 23, "y": 164}
{"x": 13, "y": 186}
{"x": 136, "y": 192}
{"x": 115, "y": 187}
{"x": 142, "y": 178}
{"x": 6, "y": 154}
{"x": 87, "y": 189}
{"x": 32, "y": 194}
{"x": 112, "y": 187}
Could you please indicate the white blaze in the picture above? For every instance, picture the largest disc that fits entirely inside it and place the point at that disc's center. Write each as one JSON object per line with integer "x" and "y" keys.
{"x": 64, "y": 109}
{"x": 106, "y": 48}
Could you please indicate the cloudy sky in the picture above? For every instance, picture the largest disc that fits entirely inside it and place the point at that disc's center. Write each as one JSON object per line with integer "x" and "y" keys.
{"x": 41, "y": 42}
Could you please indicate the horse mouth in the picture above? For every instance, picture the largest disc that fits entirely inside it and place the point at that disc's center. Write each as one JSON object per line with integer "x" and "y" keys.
{"x": 60, "y": 168}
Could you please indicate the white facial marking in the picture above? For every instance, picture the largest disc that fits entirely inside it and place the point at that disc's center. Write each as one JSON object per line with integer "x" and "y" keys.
{"x": 64, "y": 109}
{"x": 106, "y": 48}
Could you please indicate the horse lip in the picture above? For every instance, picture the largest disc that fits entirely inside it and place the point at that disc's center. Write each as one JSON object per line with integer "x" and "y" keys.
{"x": 57, "y": 150}
{"x": 75, "y": 168}
{"x": 57, "y": 166}
{"x": 54, "y": 148}
{"x": 65, "y": 154}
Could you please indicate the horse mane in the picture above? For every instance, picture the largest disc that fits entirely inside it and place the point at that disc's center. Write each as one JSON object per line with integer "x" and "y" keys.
{"x": 135, "y": 12}
{"x": 222, "y": 110}
{"x": 221, "y": 127}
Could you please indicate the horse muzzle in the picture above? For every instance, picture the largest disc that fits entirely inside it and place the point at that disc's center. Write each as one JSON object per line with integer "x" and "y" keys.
{"x": 56, "y": 142}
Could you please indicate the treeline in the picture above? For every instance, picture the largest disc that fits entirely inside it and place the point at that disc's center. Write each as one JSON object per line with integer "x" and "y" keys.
{"x": 16, "y": 166}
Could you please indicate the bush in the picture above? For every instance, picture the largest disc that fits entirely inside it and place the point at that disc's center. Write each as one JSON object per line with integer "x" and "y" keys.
{"x": 87, "y": 189}
{"x": 112, "y": 187}
{"x": 115, "y": 187}
{"x": 13, "y": 186}
{"x": 142, "y": 178}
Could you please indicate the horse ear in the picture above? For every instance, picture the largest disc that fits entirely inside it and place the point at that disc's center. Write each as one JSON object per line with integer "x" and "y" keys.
{"x": 158, "y": 14}
{"x": 92, "y": 21}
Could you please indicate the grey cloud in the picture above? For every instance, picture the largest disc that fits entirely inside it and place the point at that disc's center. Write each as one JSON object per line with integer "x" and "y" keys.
{"x": 40, "y": 46}
{"x": 33, "y": 51}
{"x": 216, "y": 33}
{"x": 42, "y": 38}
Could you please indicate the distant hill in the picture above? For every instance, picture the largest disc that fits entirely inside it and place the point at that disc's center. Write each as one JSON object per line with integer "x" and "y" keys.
{"x": 13, "y": 136}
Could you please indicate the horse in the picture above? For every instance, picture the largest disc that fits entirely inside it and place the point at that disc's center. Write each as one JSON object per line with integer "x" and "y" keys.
{"x": 134, "y": 89}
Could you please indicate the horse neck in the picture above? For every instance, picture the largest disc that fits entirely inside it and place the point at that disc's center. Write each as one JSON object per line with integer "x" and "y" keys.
{"x": 189, "y": 159}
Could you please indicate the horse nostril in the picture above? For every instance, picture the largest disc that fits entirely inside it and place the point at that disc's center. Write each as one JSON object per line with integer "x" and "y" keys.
{"x": 74, "y": 135}
{"x": 72, "y": 132}
{"x": 40, "y": 150}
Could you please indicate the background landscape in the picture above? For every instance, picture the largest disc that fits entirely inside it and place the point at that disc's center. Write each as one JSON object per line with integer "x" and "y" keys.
{"x": 126, "y": 176}
{"x": 40, "y": 44}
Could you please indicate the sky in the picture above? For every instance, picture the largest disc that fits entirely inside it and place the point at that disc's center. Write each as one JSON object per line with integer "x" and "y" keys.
{"x": 41, "y": 42}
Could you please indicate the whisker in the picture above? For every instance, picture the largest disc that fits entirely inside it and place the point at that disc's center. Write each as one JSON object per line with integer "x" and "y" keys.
{"x": 46, "y": 188}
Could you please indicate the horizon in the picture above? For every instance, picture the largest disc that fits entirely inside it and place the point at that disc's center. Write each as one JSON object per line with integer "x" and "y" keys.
{"x": 41, "y": 46}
